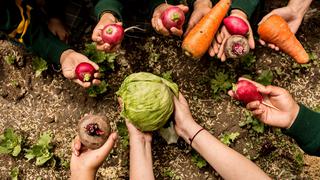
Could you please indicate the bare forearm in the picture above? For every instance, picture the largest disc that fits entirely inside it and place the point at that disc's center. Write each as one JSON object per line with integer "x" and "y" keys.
{"x": 300, "y": 7}
{"x": 82, "y": 174}
{"x": 140, "y": 160}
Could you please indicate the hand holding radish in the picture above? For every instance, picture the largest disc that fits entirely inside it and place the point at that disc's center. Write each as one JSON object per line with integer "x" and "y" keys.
{"x": 168, "y": 19}
{"x": 277, "y": 97}
{"x": 85, "y": 162}
{"x": 70, "y": 60}
{"x": 218, "y": 45}
{"x": 97, "y": 34}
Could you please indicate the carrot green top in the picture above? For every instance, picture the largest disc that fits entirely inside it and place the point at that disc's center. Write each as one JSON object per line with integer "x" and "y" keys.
{"x": 306, "y": 130}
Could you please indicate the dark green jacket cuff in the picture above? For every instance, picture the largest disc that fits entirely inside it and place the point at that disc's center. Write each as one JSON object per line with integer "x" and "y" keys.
{"x": 306, "y": 130}
{"x": 114, "y": 6}
{"x": 247, "y": 6}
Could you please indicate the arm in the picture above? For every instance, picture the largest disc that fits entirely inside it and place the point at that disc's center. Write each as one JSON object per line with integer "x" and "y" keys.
{"x": 227, "y": 162}
{"x": 140, "y": 154}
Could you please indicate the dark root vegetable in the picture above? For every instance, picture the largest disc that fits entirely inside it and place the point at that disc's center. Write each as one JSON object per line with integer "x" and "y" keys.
{"x": 112, "y": 34}
{"x": 94, "y": 131}
{"x": 236, "y": 46}
{"x": 85, "y": 72}
{"x": 236, "y": 25}
{"x": 172, "y": 17}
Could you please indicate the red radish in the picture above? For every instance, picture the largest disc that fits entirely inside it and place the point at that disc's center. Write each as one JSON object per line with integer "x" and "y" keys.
{"x": 112, "y": 34}
{"x": 85, "y": 71}
{"x": 246, "y": 92}
{"x": 236, "y": 25}
{"x": 93, "y": 131}
{"x": 173, "y": 17}
{"x": 236, "y": 46}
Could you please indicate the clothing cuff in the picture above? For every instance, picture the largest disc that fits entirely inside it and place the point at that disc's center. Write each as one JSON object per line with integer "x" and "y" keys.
{"x": 247, "y": 6}
{"x": 114, "y": 7}
{"x": 305, "y": 130}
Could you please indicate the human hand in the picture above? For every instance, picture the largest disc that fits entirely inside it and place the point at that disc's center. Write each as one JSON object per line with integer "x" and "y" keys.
{"x": 185, "y": 125}
{"x": 85, "y": 162}
{"x": 218, "y": 45}
{"x": 201, "y": 8}
{"x": 137, "y": 135}
{"x": 293, "y": 19}
{"x": 106, "y": 18}
{"x": 277, "y": 97}
{"x": 157, "y": 23}
{"x": 58, "y": 29}
{"x": 69, "y": 60}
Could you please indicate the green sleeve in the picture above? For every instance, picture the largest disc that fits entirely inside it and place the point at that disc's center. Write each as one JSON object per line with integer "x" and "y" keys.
{"x": 114, "y": 6}
{"x": 247, "y": 6}
{"x": 306, "y": 130}
{"x": 154, "y": 3}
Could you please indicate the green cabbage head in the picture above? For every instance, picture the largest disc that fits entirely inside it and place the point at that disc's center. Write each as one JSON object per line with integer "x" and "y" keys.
{"x": 147, "y": 100}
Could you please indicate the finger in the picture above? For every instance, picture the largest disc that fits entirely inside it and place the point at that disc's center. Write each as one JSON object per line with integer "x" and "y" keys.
{"x": 184, "y": 8}
{"x": 76, "y": 146}
{"x": 106, "y": 47}
{"x": 265, "y": 17}
{"x": 258, "y": 85}
{"x": 100, "y": 47}
{"x": 251, "y": 39}
{"x": 216, "y": 47}
{"x": 231, "y": 93}
{"x": 262, "y": 42}
{"x": 83, "y": 84}
{"x": 96, "y": 82}
{"x": 162, "y": 29}
{"x": 273, "y": 91}
{"x": 223, "y": 57}
{"x": 96, "y": 34}
{"x": 276, "y": 48}
{"x": 258, "y": 113}
{"x": 176, "y": 31}
{"x": 253, "y": 105}
{"x": 211, "y": 51}
{"x": 105, "y": 149}
{"x": 183, "y": 100}
{"x": 97, "y": 75}
{"x": 221, "y": 50}
{"x": 219, "y": 38}
{"x": 272, "y": 46}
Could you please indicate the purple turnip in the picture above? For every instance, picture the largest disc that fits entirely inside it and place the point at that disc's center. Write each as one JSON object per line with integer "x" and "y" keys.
{"x": 173, "y": 17}
{"x": 93, "y": 131}
{"x": 112, "y": 34}
{"x": 236, "y": 25}
{"x": 85, "y": 72}
{"x": 236, "y": 46}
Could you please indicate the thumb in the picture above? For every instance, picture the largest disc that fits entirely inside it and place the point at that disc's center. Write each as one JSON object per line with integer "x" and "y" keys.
{"x": 184, "y": 8}
{"x": 105, "y": 149}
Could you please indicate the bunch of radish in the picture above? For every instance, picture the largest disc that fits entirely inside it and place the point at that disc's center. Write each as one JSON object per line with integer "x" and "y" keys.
{"x": 237, "y": 44}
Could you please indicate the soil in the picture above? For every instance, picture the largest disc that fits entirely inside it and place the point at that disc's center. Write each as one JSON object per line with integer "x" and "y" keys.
{"x": 32, "y": 105}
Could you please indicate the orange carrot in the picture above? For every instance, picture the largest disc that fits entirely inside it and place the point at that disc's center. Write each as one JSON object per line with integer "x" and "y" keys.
{"x": 201, "y": 35}
{"x": 275, "y": 30}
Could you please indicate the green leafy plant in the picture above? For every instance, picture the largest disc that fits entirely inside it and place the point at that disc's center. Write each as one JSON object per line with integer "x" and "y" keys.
{"x": 10, "y": 142}
{"x": 221, "y": 83}
{"x": 265, "y": 78}
{"x": 168, "y": 172}
{"x": 100, "y": 57}
{"x": 167, "y": 75}
{"x": 123, "y": 133}
{"x": 198, "y": 160}
{"x": 228, "y": 138}
{"x": 252, "y": 123}
{"x": 248, "y": 60}
{"x": 14, "y": 173}
{"x": 94, "y": 91}
{"x": 39, "y": 65}
{"x": 10, "y": 59}
{"x": 41, "y": 150}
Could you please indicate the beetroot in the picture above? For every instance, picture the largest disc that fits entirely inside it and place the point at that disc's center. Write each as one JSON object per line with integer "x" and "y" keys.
{"x": 172, "y": 17}
{"x": 236, "y": 25}
{"x": 246, "y": 92}
{"x": 112, "y": 34}
{"x": 93, "y": 131}
{"x": 85, "y": 72}
{"x": 236, "y": 46}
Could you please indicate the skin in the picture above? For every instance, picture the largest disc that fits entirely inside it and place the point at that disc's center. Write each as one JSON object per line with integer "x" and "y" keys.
{"x": 85, "y": 162}
{"x": 226, "y": 161}
{"x": 69, "y": 60}
{"x": 106, "y": 18}
{"x": 57, "y": 28}
{"x": 279, "y": 98}
{"x": 157, "y": 22}
{"x": 218, "y": 45}
{"x": 293, "y": 13}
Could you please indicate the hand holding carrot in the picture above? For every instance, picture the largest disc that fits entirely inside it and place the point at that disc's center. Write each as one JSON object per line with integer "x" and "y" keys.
{"x": 278, "y": 97}
{"x": 218, "y": 45}
{"x": 158, "y": 25}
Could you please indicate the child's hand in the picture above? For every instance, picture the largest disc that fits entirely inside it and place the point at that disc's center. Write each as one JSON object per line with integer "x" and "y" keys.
{"x": 58, "y": 29}
{"x": 69, "y": 60}
{"x": 157, "y": 23}
{"x": 218, "y": 44}
{"x": 201, "y": 8}
{"x": 279, "y": 98}
{"x": 85, "y": 162}
{"x": 106, "y": 18}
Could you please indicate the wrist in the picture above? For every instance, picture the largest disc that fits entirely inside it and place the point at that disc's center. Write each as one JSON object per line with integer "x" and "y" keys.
{"x": 65, "y": 54}
{"x": 139, "y": 139}
{"x": 299, "y": 9}
{"x": 294, "y": 114}
{"x": 108, "y": 17}
{"x": 188, "y": 130}
{"x": 83, "y": 173}
{"x": 202, "y": 4}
